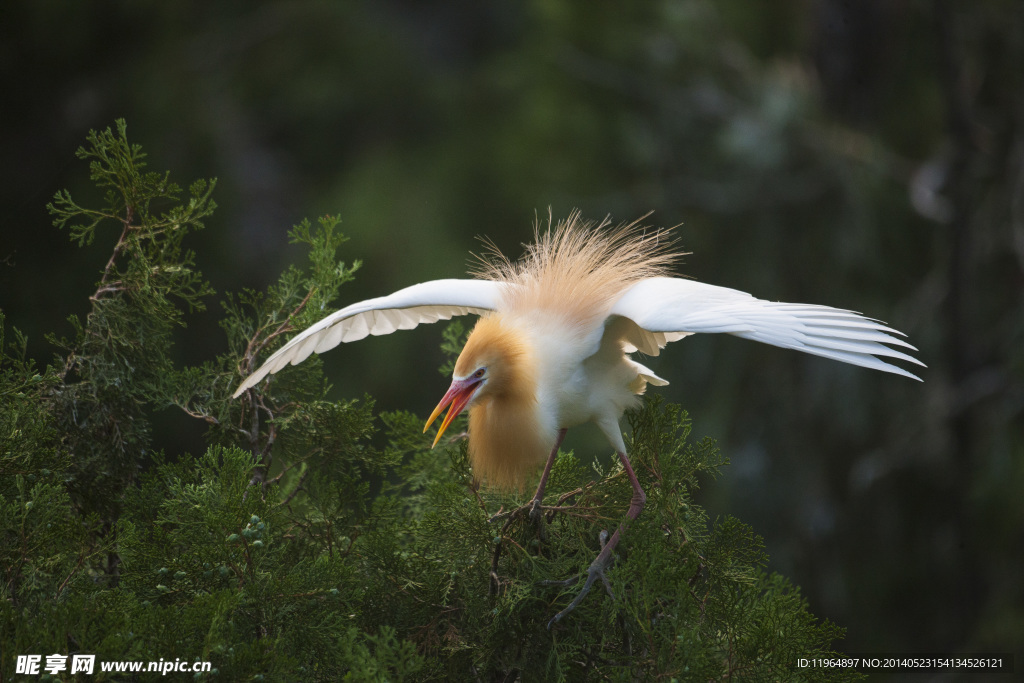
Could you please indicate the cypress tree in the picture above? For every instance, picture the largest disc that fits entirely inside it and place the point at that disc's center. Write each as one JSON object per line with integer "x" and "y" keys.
{"x": 294, "y": 548}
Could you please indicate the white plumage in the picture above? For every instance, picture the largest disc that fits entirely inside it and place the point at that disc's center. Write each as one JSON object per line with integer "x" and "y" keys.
{"x": 662, "y": 309}
{"x": 426, "y": 302}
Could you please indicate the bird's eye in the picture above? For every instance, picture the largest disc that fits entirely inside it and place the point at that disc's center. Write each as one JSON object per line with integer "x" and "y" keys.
{"x": 479, "y": 373}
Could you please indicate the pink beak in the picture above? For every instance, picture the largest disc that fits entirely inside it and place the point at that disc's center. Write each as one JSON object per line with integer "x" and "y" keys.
{"x": 459, "y": 394}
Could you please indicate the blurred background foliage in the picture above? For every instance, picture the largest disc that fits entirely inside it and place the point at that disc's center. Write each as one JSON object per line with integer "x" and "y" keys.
{"x": 865, "y": 154}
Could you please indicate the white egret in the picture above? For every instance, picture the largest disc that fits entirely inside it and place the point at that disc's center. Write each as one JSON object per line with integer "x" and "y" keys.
{"x": 552, "y": 347}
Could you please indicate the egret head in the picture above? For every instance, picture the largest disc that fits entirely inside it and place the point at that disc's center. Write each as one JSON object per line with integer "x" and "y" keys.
{"x": 492, "y": 364}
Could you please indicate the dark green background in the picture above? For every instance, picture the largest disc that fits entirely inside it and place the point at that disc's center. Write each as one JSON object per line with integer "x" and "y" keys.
{"x": 865, "y": 154}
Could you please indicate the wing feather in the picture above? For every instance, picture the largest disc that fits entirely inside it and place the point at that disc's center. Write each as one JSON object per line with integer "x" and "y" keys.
{"x": 426, "y": 302}
{"x": 666, "y": 309}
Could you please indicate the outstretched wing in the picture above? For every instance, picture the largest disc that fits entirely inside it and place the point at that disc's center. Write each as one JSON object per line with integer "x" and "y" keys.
{"x": 666, "y": 309}
{"x": 426, "y": 302}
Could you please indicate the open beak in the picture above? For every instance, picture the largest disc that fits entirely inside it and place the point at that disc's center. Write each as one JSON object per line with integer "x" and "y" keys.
{"x": 459, "y": 394}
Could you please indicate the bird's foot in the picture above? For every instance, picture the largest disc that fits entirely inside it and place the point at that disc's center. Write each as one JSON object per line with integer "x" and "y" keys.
{"x": 534, "y": 510}
{"x": 594, "y": 571}
{"x": 537, "y": 517}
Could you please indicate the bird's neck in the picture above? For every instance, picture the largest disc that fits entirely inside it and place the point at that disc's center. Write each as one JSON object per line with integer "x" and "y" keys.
{"x": 508, "y": 439}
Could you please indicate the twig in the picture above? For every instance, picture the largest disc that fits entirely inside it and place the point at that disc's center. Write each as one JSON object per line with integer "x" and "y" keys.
{"x": 254, "y": 348}
{"x": 60, "y": 589}
{"x": 298, "y": 487}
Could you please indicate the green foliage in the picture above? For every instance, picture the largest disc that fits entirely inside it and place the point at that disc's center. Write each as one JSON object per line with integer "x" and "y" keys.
{"x": 154, "y": 264}
{"x": 298, "y": 546}
{"x": 453, "y": 338}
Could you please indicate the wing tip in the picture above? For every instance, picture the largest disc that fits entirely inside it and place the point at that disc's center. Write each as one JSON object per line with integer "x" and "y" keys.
{"x": 883, "y": 366}
{"x": 249, "y": 382}
{"x": 904, "y": 373}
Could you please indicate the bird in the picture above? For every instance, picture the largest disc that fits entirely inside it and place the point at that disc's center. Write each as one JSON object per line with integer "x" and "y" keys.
{"x": 554, "y": 341}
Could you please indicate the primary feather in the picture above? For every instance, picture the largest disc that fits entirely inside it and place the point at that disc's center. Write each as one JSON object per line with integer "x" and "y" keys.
{"x": 672, "y": 306}
{"x": 426, "y": 302}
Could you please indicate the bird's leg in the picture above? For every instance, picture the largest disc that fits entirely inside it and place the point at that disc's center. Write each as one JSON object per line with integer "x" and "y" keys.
{"x": 601, "y": 562}
{"x": 535, "y": 510}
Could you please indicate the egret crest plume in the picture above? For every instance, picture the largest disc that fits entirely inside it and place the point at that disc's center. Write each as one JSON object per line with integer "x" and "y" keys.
{"x": 578, "y": 267}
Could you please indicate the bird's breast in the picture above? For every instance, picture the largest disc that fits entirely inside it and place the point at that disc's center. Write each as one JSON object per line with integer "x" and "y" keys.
{"x": 581, "y": 377}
